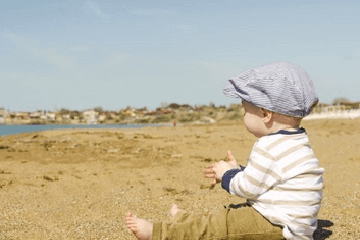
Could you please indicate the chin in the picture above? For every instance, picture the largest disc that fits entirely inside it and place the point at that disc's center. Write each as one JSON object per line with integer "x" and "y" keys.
{"x": 258, "y": 135}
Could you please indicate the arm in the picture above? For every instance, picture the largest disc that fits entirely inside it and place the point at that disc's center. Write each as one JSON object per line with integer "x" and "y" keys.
{"x": 261, "y": 174}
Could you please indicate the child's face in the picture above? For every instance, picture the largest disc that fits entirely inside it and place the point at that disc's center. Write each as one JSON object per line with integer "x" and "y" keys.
{"x": 253, "y": 119}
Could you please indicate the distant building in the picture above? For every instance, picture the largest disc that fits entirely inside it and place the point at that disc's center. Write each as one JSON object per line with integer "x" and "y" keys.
{"x": 351, "y": 105}
{"x": 128, "y": 113}
{"x": 3, "y": 114}
{"x": 35, "y": 115}
{"x": 51, "y": 117}
{"x": 102, "y": 117}
{"x": 91, "y": 116}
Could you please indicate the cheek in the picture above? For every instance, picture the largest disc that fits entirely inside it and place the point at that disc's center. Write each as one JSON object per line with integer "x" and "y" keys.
{"x": 248, "y": 121}
{"x": 246, "y": 118}
{"x": 252, "y": 124}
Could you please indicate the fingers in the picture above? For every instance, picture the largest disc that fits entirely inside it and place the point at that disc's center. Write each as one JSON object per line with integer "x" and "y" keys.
{"x": 214, "y": 182}
{"x": 209, "y": 171}
{"x": 209, "y": 175}
{"x": 211, "y": 165}
{"x": 209, "y": 168}
{"x": 230, "y": 156}
{"x": 232, "y": 160}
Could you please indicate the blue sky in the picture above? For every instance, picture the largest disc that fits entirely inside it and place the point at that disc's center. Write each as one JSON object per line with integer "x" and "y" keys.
{"x": 83, "y": 54}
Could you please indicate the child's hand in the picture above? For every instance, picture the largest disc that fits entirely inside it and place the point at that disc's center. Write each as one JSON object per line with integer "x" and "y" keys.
{"x": 217, "y": 170}
{"x": 232, "y": 160}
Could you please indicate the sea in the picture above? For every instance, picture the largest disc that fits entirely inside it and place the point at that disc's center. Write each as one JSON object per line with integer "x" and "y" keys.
{"x": 16, "y": 129}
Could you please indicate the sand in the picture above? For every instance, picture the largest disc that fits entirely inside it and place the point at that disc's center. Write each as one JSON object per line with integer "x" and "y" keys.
{"x": 78, "y": 184}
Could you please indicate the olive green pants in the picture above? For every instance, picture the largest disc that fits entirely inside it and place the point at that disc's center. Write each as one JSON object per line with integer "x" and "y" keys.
{"x": 241, "y": 222}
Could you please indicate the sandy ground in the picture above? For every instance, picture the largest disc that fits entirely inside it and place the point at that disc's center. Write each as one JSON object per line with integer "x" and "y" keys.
{"x": 78, "y": 184}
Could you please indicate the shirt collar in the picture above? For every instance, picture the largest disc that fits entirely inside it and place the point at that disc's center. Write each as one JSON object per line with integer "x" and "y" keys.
{"x": 284, "y": 132}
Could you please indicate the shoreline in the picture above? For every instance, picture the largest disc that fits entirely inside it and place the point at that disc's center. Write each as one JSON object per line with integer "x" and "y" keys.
{"x": 6, "y": 130}
{"x": 28, "y": 128}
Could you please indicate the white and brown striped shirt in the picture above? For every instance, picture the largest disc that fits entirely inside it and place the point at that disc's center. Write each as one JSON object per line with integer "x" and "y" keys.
{"x": 282, "y": 181}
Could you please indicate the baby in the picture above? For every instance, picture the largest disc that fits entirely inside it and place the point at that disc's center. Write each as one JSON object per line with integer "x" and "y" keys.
{"x": 282, "y": 181}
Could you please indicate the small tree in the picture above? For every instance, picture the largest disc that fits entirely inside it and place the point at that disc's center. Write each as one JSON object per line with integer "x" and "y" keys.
{"x": 98, "y": 109}
{"x": 174, "y": 105}
{"x": 64, "y": 111}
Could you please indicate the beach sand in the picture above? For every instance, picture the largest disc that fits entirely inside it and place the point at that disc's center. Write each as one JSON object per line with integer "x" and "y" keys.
{"x": 78, "y": 184}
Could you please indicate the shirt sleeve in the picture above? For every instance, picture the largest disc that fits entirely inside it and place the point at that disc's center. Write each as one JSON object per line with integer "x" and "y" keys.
{"x": 261, "y": 174}
{"x": 228, "y": 175}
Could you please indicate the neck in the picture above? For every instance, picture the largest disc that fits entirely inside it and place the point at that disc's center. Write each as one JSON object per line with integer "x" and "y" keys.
{"x": 290, "y": 129}
{"x": 286, "y": 123}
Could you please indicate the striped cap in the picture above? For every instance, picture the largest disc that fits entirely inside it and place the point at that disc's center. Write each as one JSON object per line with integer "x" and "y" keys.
{"x": 279, "y": 87}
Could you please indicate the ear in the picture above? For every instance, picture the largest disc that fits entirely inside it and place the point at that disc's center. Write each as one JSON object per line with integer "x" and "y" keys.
{"x": 267, "y": 115}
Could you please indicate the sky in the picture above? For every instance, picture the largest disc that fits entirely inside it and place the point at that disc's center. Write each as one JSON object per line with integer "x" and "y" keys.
{"x": 112, "y": 54}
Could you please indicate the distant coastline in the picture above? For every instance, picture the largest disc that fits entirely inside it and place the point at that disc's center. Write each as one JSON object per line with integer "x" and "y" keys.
{"x": 170, "y": 114}
{"x": 10, "y": 129}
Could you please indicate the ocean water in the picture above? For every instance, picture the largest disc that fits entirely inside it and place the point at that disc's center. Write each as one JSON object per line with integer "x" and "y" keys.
{"x": 16, "y": 129}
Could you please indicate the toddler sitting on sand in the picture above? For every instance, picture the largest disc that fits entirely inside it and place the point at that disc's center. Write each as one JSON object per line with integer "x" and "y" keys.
{"x": 282, "y": 181}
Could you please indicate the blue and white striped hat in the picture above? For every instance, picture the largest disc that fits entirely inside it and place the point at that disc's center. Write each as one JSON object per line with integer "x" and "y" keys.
{"x": 279, "y": 87}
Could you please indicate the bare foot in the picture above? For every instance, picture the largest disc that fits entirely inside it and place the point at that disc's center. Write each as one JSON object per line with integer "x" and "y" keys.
{"x": 174, "y": 209}
{"x": 141, "y": 228}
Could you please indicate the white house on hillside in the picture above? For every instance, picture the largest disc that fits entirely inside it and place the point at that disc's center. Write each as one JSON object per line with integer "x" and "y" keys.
{"x": 91, "y": 116}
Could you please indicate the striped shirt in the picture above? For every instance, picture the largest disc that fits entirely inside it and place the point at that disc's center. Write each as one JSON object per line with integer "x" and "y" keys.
{"x": 282, "y": 181}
